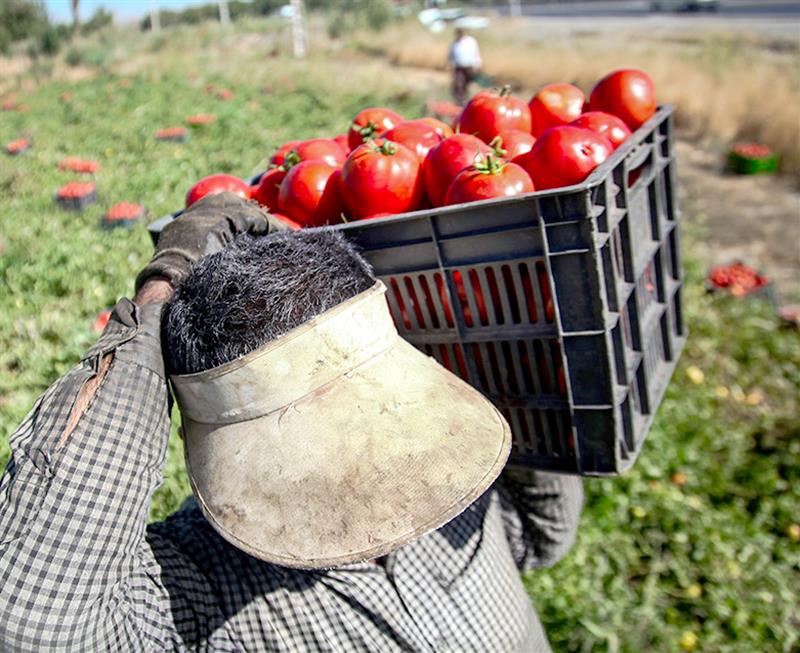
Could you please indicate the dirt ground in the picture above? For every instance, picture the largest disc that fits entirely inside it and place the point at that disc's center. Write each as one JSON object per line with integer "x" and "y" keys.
{"x": 752, "y": 218}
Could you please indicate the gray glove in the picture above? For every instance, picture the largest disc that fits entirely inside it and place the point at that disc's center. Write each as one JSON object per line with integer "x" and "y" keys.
{"x": 204, "y": 228}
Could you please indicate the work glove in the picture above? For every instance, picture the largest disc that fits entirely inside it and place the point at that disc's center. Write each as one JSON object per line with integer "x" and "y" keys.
{"x": 204, "y": 228}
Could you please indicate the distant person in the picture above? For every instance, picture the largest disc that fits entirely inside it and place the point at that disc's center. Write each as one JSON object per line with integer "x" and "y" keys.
{"x": 465, "y": 59}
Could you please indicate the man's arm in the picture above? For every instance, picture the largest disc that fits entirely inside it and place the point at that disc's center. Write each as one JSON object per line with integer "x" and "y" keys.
{"x": 77, "y": 572}
{"x": 75, "y": 496}
{"x": 541, "y": 512}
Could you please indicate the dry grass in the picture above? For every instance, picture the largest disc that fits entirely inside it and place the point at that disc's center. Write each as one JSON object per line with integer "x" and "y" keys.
{"x": 727, "y": 87}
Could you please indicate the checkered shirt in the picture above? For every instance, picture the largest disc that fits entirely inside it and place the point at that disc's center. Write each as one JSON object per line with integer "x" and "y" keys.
{"x": 82, "y": 571}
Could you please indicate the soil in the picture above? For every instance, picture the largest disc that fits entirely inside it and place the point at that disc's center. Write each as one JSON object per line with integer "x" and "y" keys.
{"x": 755, "y": 218}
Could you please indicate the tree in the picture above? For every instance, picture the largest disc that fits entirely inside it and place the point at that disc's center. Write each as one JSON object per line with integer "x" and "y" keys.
{"x": 21, "y": 19}
{"x": 76, "y": 17}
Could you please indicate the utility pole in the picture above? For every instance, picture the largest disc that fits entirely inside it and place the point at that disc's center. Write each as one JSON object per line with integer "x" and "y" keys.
{"x": 155, "y": 20}
{"x": 224, "y": 14}
{"x": 298, "y": 30}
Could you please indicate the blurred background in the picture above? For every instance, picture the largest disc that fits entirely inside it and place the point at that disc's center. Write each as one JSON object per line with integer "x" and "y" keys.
{"x": 696, "y": 548}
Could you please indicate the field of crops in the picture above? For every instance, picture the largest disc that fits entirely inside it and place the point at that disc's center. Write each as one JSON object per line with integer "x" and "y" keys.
{"x": 697, "y": 548}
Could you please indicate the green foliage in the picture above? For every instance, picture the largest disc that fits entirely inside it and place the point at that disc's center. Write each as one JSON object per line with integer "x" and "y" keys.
{"x": 345, "y": 16}
{"x": 94, "y": 56}
{"x": 50, "y": 41}
{"x": 210, "y": 12}
{"x": 20, "y": 19}
{"x": 696, "y": 538}
{"x": 100, "y": 19}
{"x": 27, "y": 19}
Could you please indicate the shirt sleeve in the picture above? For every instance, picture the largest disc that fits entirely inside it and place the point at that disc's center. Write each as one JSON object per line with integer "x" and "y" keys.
{"x": 541, "y": 511}
{"x": 76, "y": 570}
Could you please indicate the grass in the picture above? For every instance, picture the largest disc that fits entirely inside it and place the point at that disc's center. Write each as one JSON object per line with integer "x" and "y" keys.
{"x": 729, "y": 86}
{"x": 695, "y": 549}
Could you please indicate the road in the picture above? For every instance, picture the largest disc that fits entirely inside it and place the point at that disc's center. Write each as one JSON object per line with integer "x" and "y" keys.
{"x": 614, "y": 8}
{"x": 773, "y": 19}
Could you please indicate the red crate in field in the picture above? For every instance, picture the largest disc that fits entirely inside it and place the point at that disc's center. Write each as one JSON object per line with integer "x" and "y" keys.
{"x": 172, "y": 134}
{"x": 76, "y": 195}
{"x": 123, "y": 214}
{"x": 18, "y": 146}
{"x": 74, "y": 164}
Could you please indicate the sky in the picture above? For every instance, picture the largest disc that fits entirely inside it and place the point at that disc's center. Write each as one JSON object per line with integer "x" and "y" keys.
{"x": 60, "y": 11}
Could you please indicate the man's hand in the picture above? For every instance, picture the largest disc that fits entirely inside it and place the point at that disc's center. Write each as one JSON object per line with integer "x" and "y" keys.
{"x": 204, "y": 228}
{"x": 156, "y": 290}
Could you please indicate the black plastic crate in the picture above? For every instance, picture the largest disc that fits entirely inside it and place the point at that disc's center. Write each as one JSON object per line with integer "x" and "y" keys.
{"x": 562, "y": 306}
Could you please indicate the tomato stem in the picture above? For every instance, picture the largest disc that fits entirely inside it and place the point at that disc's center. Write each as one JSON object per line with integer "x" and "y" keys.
{"x": 505, "y": 91}
{"x": 497, "y": 145}
{"x": 291, "y": 159}
{"x": 386, "y": 147}
{"x": 488, "y": 164}
{"x": 367, "y": 131}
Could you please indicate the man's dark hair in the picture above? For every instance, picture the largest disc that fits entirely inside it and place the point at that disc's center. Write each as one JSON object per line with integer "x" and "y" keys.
{"x": 255, "y": 290}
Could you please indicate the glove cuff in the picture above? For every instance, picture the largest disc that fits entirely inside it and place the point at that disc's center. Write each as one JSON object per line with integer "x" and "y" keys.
{"x": 170, "y": 264}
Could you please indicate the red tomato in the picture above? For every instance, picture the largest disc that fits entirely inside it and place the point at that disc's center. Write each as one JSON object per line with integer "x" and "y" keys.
{"x": 488, "y": 113}
{"x": 283, "y": 218}
{"x": 565, "y": 155}
{"x": 417, "y": 136}
{"x": 627, "y": 94}
{"x": 445, "y": 131}
{"x": 310, "y": 195}
{"x": 461, "y": 295}
{"x": 217, "y": 184}
{"x": 266, "y": 192}
{"x": 371, "y": 123}
{"x": 321, "y": 149}
{"x": 381, "y": 177}
{"x": 101, "y": 320}
{"x": 342, "y": 140}
{"x": 512, "y": 143}
{"x": 752, "y": 150}
{"x": 555, "y": 104}
{"x": 486, "y": 179}
{"x": 447, "y": 159}
{"x": 279, "y": 157}
{"x": 613, "y": 128}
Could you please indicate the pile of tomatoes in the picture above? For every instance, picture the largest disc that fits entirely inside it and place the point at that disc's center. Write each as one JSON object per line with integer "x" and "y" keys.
{"x": 499, "y": 146}
{"x": 752, "y": 150}
{"x": 737, "y": 278}
{"x": 124, "y": 211}
{"x": 76, "y": 189}
{"x": 18, "y": 146}
{"x": 86, "y": 166}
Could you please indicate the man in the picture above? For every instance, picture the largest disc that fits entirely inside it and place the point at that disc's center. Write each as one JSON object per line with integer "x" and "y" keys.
{"x": 322, "y": 451}
{"x": 465, "y": 59}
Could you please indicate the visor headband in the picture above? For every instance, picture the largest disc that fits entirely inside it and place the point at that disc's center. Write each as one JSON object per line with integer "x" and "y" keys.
{"x": 292, "y": 366}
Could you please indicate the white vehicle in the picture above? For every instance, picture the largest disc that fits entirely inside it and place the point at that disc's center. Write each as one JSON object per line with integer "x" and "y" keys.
{"x": 684, "y": 5}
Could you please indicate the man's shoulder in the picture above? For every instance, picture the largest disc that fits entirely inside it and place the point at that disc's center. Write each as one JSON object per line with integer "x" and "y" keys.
{"x": 186, "y": 539}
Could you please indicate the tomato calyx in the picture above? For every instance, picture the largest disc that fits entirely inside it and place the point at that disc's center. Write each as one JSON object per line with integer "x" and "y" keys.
{"x": 291, "y": 159}
{"x": 497, "y": 145}
{"x": 504, "y": 91}
{"x": 367, "y": 131}
{"x": 387, "y": 148}
{"x": 489, "y": 165}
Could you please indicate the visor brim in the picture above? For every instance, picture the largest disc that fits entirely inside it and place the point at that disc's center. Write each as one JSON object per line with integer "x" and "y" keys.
{"x": 355, "y": 469}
